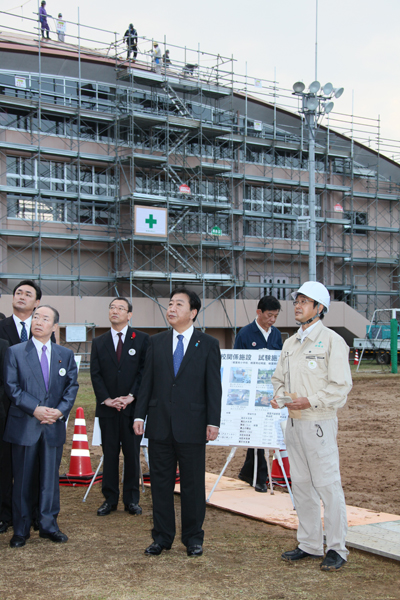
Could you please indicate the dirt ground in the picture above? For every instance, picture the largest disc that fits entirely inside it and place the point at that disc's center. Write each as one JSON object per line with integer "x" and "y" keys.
{"x": 104, "y": 559}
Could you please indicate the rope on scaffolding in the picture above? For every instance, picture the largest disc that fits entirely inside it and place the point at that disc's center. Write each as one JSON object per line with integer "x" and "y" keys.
{"x": 15, "y": 7}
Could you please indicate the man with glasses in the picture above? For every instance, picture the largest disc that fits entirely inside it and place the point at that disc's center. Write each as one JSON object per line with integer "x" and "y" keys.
{"x": 41, "y": 382}
{"x": 16, "y": 329}
{"x": 313, "y": 371}
{"x": 116, "y": 366}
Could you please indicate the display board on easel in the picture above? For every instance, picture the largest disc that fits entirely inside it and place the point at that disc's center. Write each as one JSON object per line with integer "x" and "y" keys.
{"x": 247, "y": 418}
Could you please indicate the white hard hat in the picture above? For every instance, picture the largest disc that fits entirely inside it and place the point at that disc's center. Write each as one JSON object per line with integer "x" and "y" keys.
{"x": 316, "y": 291}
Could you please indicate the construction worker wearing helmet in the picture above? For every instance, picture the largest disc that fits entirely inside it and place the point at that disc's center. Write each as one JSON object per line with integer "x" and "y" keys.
{"x": 313, "y": 377}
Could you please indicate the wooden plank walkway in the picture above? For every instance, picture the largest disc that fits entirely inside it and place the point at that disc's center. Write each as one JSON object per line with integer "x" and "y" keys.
{"x": 378, "y": 533}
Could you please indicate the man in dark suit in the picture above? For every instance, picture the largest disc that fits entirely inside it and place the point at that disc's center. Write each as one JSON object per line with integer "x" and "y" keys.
{"x": 258, "y": 335}
{"x": 40, "y": 378}
{"x": 116, "y": 366}
{"x": 181, "y": 396}
{"x": 4, "y": 402}
{"x": 17, "y": 329}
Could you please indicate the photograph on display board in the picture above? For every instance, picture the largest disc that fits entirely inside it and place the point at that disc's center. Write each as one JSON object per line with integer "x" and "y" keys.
{"x": 238, "y": 398}
{"x": 263, "y": 398}
{"x": 240, "y": 375}
{"x": 264, "y": 376}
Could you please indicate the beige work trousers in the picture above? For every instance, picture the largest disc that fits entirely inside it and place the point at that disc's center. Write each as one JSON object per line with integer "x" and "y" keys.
{"x": 314, "y": 470}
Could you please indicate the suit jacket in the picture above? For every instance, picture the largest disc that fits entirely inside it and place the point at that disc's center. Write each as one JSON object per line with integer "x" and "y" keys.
{"x": 188, "y": 402}
{"x": 24, "y": 385}
{"x": 4, "y": 401}
{"x": 111, "y": 379}
{"x": 251, "y": 338}
{"x": 9, "y": 332}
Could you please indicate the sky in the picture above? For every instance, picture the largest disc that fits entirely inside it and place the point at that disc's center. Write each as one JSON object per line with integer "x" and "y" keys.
{"x": 358, "y": 41}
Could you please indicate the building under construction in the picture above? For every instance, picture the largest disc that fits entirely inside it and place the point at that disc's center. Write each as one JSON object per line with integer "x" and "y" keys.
{"x": 88, "y": 136}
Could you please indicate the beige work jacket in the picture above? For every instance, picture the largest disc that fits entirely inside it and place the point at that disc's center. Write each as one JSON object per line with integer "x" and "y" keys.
{"x": 318, "y": 369}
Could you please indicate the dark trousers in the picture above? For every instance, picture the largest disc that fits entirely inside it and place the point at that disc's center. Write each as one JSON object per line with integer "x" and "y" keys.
{"x": 117, "y": 431}
{"x": 163, "y": 457}
{"x": 248, "y": 467}
{"x": 24, "y": 460}
{"x": 6, "y": 485}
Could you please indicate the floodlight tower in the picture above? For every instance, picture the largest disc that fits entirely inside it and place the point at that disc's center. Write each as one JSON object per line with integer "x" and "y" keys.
{"x": 316, "y": 102}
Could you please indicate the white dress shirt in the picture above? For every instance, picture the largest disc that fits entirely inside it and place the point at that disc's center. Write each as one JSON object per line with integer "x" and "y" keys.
{"x": 18, "y": 325}
{"x": 186, "y": 339}
{"x": 265, "y": 333}
{"x": 39, "y": 346}
{"x": 115, "y": 336}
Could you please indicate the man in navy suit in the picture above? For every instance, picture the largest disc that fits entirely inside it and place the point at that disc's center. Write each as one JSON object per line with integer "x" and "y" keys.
{"x": 181, "y": 396}
{"x": 17, "y": 329}
{"x": 258, "y": 335}
{"x": 40, "y": 378}
{"x": 116, "y": 366}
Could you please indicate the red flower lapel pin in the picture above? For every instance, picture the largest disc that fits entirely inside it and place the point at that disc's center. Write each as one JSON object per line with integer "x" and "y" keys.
{"x": 133, "y": 335}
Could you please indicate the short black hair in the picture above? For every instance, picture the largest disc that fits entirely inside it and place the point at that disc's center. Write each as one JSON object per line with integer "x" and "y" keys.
{"x": 323, "y": 311}
{"x": 194, "y": 300}
{"x": 269, "y": 303}
{"x": 31, "y": 284}
{"x": 55, "y": 312}
{"x": 128, "y": 302}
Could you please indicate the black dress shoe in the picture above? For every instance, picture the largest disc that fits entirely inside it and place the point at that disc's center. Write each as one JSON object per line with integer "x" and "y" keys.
{"x": 133, "y": 509}
{"x": 155, "y": 549}
{"x": 261, "y": 487}
{"x": 35, "y": 524}
{"x": 332, "y": 561}
{"x": 4, "y": 526}
{"x": 248, "y": 480}
{"x": 17, "y": 541}
{"x": 196, "y": 550}
{"x": 55, "y": 536}
{"x": 106, "y": 508}
{"x": 298, "y": 554}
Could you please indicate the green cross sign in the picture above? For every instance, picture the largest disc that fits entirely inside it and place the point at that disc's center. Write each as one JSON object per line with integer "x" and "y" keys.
{"x": 151, "y": 221}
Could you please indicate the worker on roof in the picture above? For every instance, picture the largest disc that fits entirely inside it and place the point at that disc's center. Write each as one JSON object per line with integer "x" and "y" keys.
{"x": 131, "y": 39}
{"x": 43, "y": 20}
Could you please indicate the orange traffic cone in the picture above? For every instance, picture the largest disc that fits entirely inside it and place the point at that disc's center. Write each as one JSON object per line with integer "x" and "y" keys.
{"x": 276, "y": 472}
{"x": 80, "y": 468}
{"x": 356, "y": 361}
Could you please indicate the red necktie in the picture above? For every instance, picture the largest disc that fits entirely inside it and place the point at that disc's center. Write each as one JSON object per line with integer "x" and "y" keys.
{"x": 119, "y": 346}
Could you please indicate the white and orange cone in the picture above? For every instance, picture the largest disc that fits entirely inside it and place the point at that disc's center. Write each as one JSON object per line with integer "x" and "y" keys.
{"x": 80, "y": 468}
{"x": 356, "y": 361}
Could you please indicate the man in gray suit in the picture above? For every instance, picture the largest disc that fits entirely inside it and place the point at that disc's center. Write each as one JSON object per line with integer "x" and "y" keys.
{"x": 40, "y": 379}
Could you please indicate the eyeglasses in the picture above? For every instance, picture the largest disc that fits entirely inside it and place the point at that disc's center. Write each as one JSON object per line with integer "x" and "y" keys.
{"x": 301, "y": 302}
{"x": 118, "y": 308}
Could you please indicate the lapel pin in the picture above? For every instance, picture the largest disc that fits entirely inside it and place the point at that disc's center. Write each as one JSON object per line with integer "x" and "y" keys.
{"x": 132, "y": 352}
{"x": 254, "y": 343}
{"x": 197, "y": 343}
{"x": 60, "y": 361}
{"x": 62, "y": 372}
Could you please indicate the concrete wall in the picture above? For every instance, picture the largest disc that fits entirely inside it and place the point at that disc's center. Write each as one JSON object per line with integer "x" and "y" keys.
{"x": 217, "y": 319}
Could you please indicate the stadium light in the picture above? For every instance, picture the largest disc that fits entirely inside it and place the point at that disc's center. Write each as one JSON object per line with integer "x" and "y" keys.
{"x": 316, "y": 102}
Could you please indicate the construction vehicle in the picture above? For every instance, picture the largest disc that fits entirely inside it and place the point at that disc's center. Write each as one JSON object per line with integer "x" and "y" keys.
{"x": 376, "y": 344}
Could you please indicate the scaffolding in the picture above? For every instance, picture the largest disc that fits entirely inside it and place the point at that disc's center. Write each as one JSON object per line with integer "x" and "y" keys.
{"x": 84, "y": 142}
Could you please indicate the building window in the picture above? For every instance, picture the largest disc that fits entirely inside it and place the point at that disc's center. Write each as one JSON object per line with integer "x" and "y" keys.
{"x": 60, "y": 177}
{"x": 277, "y": 229}
{"x": 199, "y": 223}
{"x": 278, "y": 201}
{"x": 355, "y": 218}
{"x": 58, "y": 210}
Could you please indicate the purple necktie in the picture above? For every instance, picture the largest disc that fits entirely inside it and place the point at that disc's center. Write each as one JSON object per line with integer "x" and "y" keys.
{"x": 44, "y": 363}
